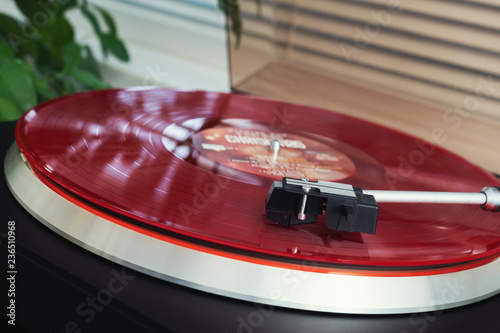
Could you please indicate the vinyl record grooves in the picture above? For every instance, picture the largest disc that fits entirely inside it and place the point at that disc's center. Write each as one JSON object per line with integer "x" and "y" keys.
{"x": 197, "y": 165}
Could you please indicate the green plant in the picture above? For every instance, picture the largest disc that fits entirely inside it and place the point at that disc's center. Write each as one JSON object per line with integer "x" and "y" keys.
{"x": 40, "y": 58}
{"x": 232, "y": 10}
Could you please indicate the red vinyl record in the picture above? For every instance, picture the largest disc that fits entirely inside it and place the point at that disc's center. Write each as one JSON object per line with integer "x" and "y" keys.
{"x": 196, "y": 164}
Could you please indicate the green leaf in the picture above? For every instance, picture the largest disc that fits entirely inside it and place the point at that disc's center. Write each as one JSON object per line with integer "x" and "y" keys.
{"x": 8, "y": 110}
{"x": 28, "y": 7}
{"x": 41, "y": 11}
{"x": 44, "y": 58}
{"x": 67, "y": 5}
{"x": 43, "y": 89}
{"x": 108, "y": 19}
{"x": 89, "y": 79}
{"x": 114, "y": 45}
{"x": 232, "y": 10}
{"x": 71, "y": 55}
{"x": 9, "y": 24}
{"x": 20, "y": 41}
{"x": 41, "y": 85}
{"x": 68, "y": 85}
{"x": 62, "y": 31}
{"x": 5, "y": 49}
{"x": 92, "y": 19}
{"x": 89, "y": 63}
{"x": 17, "y": 84}
{"x": 38, "y": 12}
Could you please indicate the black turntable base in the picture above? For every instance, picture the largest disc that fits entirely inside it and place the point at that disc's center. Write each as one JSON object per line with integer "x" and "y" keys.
{"x": 61, "y": 287}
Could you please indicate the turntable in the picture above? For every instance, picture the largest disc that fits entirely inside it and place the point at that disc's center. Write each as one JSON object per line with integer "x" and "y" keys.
{"x": 254, "y": 213}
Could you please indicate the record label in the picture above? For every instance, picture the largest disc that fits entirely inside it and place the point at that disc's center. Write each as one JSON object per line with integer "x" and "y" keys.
{"x": 252, "y": 151}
